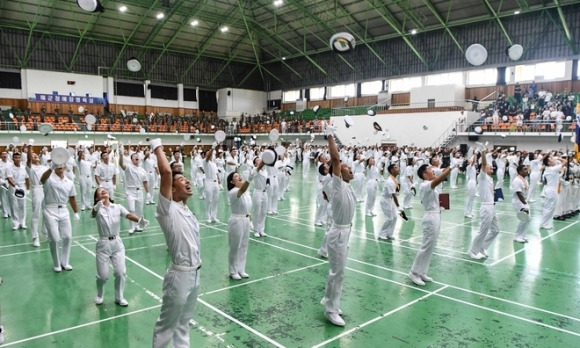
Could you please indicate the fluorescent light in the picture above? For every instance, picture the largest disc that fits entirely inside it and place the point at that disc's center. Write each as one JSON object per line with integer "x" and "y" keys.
{"x": 123, "y": 8}
{"x": 278, "y": 3}
{"x": 224, "y": 29}
{"x": 517, "y": 12}
{"x": 160, "y": 15}
{"x": 194, "y": 23}
{"x": 283, "y": 58}
{"x": 414, "y": 31}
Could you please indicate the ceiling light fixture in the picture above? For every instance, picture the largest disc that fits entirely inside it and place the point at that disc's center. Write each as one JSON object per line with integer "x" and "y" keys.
{"x": 160, "y": 15}
{"x": 123, "y": 8}
{"x": 283, "y": 58}
{"x": 194, "y": 23}
{"x": 224, "y": 29}
{"x": 413, "y": 31}
{"x": 278, "y": 3}
{"x": 517, "y": 12}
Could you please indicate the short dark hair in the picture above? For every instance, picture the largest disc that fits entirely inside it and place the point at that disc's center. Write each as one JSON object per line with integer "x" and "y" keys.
{"x": 422, "y": 170}
{"x": 391, "y": 166}
{"x": 229, "y": 181}
{"x": 321, "y": 169}
{"x": 520, "y": 168}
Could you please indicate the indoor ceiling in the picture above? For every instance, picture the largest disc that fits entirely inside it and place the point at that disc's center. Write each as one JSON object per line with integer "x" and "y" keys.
{"x": 258, "y": 31}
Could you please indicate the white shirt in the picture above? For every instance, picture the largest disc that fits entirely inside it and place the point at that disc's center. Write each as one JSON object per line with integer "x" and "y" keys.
{"x": 109, "y": 219}
{"x": 240, "y": 205}
{"x": 486, "y": 187}
{"x": 552, "y": 175}
{"x": 105, "y": 171}
{"x": 181, "y": 231}
{"x": 18, "y": 174}
{"x": 342, "y": 201}
{"x": 58, "y": 191}
{"x": 35, "y": 172}
{"x": 134, "y": 176}
{"x": 429, "y": 197}
{"x": 210, "y": 169}
{"x": 519, "y": 185}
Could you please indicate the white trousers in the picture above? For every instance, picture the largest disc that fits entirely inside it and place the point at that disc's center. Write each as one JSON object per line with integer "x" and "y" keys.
{"x": 522, "y": 228}
{"x": 453, "y": 178}
{"x": 180, "y": 291}
{"x": 6, "y": 205}
{"x": 431, "y": 224}
{"x": 357, "y": 185}
{"x": 37, "y": 198}
{"x": 201, "y": 184}
{"x": 500, "y": 174}
{"x": 86, "y": 188}
{"x": 305, "y": 168}
{"x": 238, "y": 240}
{"x": 260, "y": 205}
{"x": 18, "y": 207}
{"x": 212, "y": 191}
{"x": 534, "y": 179}
{"x": 488, "y": 229}
{"x": 408, "y": 195}
{"x": 321, "y": 208}
{"x": 134, "y": 203}
{"x": 272, "y": 199}
{"x": 58, "y": 226}
{"x": 372, "y": 186}
{"x": 112, "y": 250}
{"x": 471, "y": 188}
{"x": 337, "y": 244}
{"x": 550, "y": 202}
{"x": 390, "y": 210}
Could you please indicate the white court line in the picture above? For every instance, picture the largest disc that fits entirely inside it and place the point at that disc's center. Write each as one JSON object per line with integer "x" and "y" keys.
{"x": 524, "y": 248}
{"x": 382, "y": 316}
{"x": 7, "y": 344}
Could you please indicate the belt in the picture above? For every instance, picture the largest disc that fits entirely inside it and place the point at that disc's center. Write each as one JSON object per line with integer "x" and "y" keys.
{"x": 184, "y": 268}
{"x": 55, "y": 206}
{"x": 487, "y": 203}
{"x": 241, "y": 215}
{"x": 433, "y": 212}
{"x": 341, "y": 226}
{"x": 109, "y": 238}
{"x": 134, "y": 188}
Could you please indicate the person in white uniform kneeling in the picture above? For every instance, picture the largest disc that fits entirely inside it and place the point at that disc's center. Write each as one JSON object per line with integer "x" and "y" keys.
{"x": 239, "y": 224}
{"x": 110, "y": 246}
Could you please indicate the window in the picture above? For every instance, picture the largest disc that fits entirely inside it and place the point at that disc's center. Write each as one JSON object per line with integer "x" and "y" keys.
{"x": 541, "y": 71}
{"x": 404, "y": 85}
{"x": 317, "y": 93}
{"x": 455, "y": 78}
{"x": 371, "y": 87}
{"x": 340, "y": 91}
{"x": 482, "y": 77}
{"x": 291, "y": 96}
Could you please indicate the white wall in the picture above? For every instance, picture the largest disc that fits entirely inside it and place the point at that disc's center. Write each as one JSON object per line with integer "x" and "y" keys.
{"x": 273, "y": 95}
{"x": 240, "y": 100}
{"x": 404, "y": 129}
{"x": 12, "y": 93}
{"x": 45, "y": 82}
{"x": 445, "y": 95}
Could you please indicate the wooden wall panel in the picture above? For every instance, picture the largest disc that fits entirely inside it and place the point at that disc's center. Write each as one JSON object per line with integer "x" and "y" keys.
{"x": 400, "y": 98}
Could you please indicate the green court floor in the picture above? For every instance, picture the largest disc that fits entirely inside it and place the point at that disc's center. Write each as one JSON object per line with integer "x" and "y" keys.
{"x": 524, "y": 295}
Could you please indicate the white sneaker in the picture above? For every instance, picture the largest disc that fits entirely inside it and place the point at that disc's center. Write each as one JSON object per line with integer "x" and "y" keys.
{"x": 67, "y": 267}
{"x": 532, "y": 201}
{"x": 244, "y": 275}
{"x": 520, "y": 240}
{"x": 35, "y": 242}
{"x": 484, "y": 253}
{"x": 426, "y": 278}
{"x": 122, "y": 302}
{"x": 318, "y": 223}
{"x": 131, "y": 231}
{"x": 322, "y": 253}
{"x": 57, "y": 269}
{"x": 262, "y": 234}
{"x": 257, "y": 235}
{"x": 98, "y": 300}
{"x": 469, "y": 216}
{"x": 334, "y": 318}
{"x": 416, "y": 279}
{"x": 235, "y": 276}
{"x": 476, "y": 256}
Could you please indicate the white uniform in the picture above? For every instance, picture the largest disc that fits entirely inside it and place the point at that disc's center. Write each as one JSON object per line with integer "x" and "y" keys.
{"x": 181, "y": 281}
{"x": 17, "y": 205}
{"x": 4, "y": 192}
{"x": 150, "y": 167}
{"x": 342, "y": 204}
{"x": 552, "y": 176}
{"x": 520, "y": 185}
{"x": 359, "y": 178}
{"x": 489, "y": 227}
{"x": 272, "y": 190}
{"x": 470, "y": 175}
{"x": 135, "y": 177}
{"x": 431, "y": 225}
{"x": 406, "y": 186}
{"x": 500, "y": 171}
{"x": 212, "y": 190}
{"x": 260, "y": 202}
{"x": 110, "y": 247}
{"x": 35, "y": 173}
{"x": 389, "y": 208}
{"x": 85, "y": 175}
{"x": 372, "y": 188}
{"x": 57, "y": 193}
{"x": 535, "y": 175}
{"x": 105, "y": 173}
{"x": 239, "y": 231}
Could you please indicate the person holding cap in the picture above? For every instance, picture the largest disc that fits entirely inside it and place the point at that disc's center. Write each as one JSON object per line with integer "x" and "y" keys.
{"x": 390, "y": 203}
{"x": 58, "y": 190}
{"x": 18, "y": 180}
{"x": 489, "y": 226}
{"x": 110, "y": 246}
{"x": 181, "y": 230}
{"x": 105, "y": 174}
{"x": 431, "y": 222}
{"x": 35, "y": 171}
{"x": 85, "y": 180}
{"x": 239, "y": 223}
{"x": 342, "y": 203}
{"x": 212, "y": 188}
{"x": 260, "y": 197}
